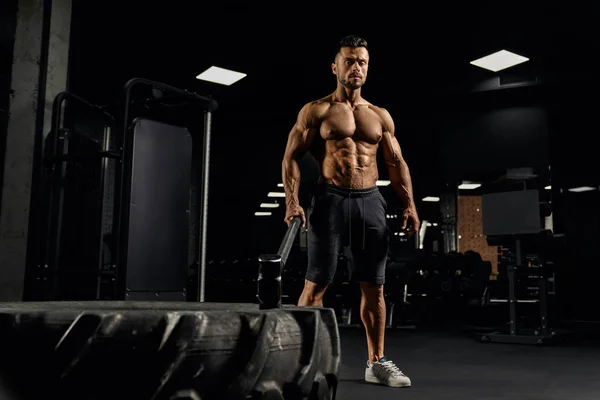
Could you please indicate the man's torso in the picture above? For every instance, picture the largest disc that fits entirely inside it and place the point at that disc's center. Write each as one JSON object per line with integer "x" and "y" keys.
{"x": 345, "y": 144}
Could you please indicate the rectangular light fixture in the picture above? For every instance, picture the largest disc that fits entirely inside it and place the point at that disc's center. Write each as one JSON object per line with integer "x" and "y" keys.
{"x": 499, "y": 60}
{"x": 549, "y": 187}
{"x": 469, "y": 185}
{"x": 431, "y": 199}
{"x": 262, "y": 213}
{"x": 276, "y": 194}
{"x": 269, "y": 205}
{"x": 220, "y": 75}
{"x": 280, "y": 185}
{"x": 383, "y": 183}
{"x": 581, "y": 189}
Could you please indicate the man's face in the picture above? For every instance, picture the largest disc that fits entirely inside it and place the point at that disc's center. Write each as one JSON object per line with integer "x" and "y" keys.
{"x": 351, "y": 66}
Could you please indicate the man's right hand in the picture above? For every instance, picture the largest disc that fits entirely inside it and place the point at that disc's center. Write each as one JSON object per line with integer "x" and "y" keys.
{"x": 295, "y": 211}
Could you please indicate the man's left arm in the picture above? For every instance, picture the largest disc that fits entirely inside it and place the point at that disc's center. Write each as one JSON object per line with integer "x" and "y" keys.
{"x": 399, "y": 174}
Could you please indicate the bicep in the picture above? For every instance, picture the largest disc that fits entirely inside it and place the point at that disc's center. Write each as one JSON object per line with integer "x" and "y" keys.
{"x": 390, "y": 145}
{"x": 301, "y": 135}
{"x": 299, "y": 140}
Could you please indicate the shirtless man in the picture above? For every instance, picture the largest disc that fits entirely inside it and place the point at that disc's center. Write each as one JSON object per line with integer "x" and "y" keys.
{"x": 343, "y": 132}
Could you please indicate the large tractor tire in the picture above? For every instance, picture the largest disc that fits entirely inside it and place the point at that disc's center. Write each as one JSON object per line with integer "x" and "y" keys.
{"x": 166, "y": 351}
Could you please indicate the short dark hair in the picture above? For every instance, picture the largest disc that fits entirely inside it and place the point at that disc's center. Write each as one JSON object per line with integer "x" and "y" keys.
{"x": 351, "y": 41}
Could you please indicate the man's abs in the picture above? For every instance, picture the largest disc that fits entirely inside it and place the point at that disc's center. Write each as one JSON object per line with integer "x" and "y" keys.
{"x": 347, "y": 165}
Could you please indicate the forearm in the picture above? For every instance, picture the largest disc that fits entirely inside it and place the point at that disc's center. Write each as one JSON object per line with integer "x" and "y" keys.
{"x": 402, "y": 183}
{"x": 290, "y": 173}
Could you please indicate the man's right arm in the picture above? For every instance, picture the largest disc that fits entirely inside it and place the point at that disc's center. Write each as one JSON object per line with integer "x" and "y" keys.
{"x": 299, "y": 140}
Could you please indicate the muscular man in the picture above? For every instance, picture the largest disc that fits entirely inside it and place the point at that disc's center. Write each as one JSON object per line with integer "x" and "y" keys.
{"x": 343, "y": 132}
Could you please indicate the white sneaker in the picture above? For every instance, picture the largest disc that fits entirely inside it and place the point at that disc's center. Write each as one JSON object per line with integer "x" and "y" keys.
{"x": 385, "y": 372}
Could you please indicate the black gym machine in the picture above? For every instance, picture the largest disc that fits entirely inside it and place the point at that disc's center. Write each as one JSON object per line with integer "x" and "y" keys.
{"x": 102, "y": 175}
{"x": 512, "y": 220}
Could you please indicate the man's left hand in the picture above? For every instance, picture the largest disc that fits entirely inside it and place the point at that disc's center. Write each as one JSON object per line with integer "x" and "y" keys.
{"x": 410, "y": 221}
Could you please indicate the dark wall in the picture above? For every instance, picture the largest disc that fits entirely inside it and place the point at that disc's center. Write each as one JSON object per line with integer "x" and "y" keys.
{"x": 493, "y": 132}
{"x": 577, "y": 215}
{"x": 8, "y": 19}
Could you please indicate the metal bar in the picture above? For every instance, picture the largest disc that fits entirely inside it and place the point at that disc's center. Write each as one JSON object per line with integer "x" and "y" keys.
{"x": 69, "y": 157}
{"x": 512, "y": 276}
{"x": 390, "y": 322}
{"x": 103, "y": 175}
{"x": 420, "y": 236}
{"x": 60, "y": 176}
{"x": 56, "y": 194}
{"x": 212, "y": 104}
{"x": 288, "y": 239}
{"x": 204, "y": 206}
{"x": 532, "y": 301}
{"x": 543, "y": 287}
{"x": 51, "y": 217}
{"x": 57, "y": 106}
{"x": 121, "y": 194}
{"x": 543, "y": 306}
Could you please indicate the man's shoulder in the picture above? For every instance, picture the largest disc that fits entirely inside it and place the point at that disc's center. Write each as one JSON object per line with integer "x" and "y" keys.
{"x": 382, "y": 112}
{"x": 322, "y": 102}
{"x": 317, "y": 107}
{"x": 378, "y": 109}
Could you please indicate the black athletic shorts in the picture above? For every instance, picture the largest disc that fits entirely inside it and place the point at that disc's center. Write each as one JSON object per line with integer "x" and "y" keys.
{"x": 353, "y": 218}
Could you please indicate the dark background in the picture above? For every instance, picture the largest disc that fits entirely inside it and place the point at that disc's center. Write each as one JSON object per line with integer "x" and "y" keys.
{"x": 7, "y": 35}
{"x": 454, "y": 121}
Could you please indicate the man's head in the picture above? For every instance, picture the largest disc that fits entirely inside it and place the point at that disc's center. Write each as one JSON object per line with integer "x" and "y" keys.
{"x": 351, "y": 61}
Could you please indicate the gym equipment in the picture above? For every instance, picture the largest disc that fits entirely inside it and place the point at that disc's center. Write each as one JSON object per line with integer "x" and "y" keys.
{"x": 158, "y": 197}
{"x": 108, "y": 189}
{"x": 512, "y": 219}
{"x": 474, "y": 277}
{"x": 125, "y": 350}
{"x": 271, "y": 268}
{"x": 126, "y": 255}
{"x": 398, "y": 277}
{"x": 67, "y": 234}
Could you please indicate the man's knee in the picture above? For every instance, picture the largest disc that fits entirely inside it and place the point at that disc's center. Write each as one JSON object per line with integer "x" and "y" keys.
{"x": 318, "y": 278}
{"x": 314, "y": 288}
{"x": 312, "y": 294}
{"x": 371, "y": 288}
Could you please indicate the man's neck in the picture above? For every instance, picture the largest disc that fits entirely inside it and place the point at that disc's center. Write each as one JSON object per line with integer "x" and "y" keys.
{"x": 345, "y": 95}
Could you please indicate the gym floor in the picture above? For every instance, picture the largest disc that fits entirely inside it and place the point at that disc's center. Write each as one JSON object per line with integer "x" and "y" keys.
{"x": 454, "y": 365}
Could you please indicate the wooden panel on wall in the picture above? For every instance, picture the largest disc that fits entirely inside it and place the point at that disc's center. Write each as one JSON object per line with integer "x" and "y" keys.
{"x": 470, "y": 231}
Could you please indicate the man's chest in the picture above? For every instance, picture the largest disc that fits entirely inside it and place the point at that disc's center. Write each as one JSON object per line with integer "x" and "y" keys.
{"x": 361, "y": 124}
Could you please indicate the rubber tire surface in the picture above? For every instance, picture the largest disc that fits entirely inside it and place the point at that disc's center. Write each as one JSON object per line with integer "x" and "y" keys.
{"x": 166, "y": 350}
